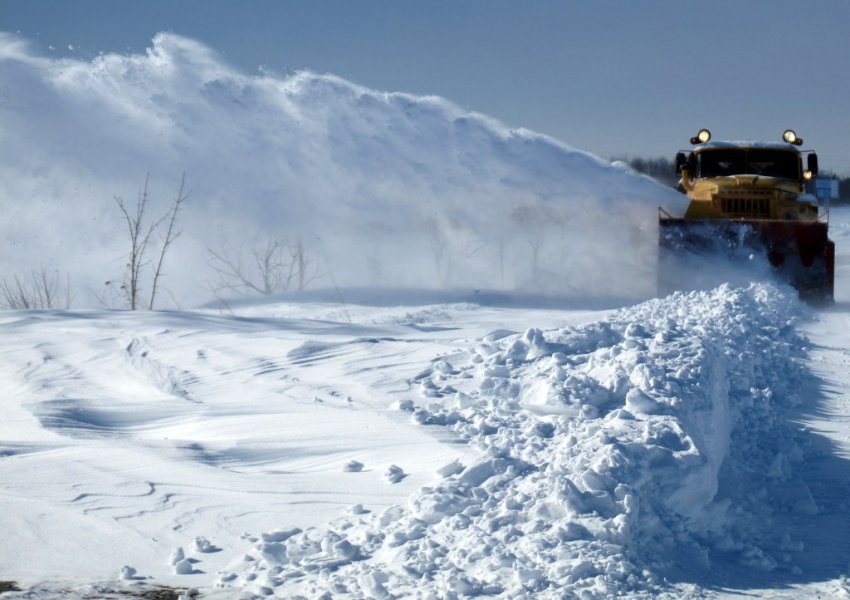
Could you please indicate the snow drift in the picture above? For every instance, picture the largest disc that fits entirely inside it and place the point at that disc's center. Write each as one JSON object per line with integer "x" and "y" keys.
{"x": 381, "y": 188}
{"x": 611, "y": 455}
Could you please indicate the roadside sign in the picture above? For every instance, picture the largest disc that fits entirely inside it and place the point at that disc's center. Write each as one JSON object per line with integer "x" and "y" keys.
{"x": 826, "y": 189}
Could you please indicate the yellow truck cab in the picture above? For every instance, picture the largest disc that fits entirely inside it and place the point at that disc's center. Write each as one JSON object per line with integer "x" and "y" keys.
{"x": 753, "y": 194}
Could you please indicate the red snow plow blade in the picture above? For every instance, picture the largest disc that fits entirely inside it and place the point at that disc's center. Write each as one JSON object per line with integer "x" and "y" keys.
{"x": 800, "y": 253}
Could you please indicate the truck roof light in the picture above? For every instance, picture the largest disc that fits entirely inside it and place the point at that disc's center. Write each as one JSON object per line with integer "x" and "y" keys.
{"x": 791, "y": 137}
{"x": 702, "y": 137}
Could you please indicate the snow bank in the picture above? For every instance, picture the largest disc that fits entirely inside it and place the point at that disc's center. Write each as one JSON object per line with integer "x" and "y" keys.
{"x": 612, "y": 455}
{"x": 382, "y": 189}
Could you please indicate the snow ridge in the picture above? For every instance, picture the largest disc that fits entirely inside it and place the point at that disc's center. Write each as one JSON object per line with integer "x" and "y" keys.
{"x": 606, "y": 456}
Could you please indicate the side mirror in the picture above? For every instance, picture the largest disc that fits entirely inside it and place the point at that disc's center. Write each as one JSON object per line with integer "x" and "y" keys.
{"x": 812, "y": 163}
{"x": 681, "y": 161}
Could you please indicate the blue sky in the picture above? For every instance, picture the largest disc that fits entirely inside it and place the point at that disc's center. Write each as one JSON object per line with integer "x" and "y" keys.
{"x": 616, "y": 78}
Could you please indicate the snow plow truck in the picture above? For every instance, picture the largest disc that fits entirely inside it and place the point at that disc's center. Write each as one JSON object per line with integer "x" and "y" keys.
{"x": 747, "y": 199}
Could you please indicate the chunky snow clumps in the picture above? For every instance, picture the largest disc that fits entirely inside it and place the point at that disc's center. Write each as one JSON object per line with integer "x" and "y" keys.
{"x": 611, "y": 455}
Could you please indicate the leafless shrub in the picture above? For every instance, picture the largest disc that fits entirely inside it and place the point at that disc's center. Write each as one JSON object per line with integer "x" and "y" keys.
{"x": 42, "y": 290}
{"x": 277, "y": 267}
{"x": 139, "y": 235}
{"x": 537, "y": 223}
{"x": 451, "y": 248}
{"x": 169, "y": 237}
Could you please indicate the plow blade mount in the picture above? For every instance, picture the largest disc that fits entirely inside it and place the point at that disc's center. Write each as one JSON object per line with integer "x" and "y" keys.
{"x": 800, "y": 253}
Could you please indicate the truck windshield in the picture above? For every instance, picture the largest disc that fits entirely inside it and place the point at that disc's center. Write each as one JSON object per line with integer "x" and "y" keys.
{"x": 740, "y": 161}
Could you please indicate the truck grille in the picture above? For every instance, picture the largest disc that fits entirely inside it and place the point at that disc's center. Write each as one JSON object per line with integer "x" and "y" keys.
{"x": 746, "y": 206}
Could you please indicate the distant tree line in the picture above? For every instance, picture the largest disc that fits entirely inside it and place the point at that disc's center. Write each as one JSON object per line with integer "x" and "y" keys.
{"x": 663, "y": 170}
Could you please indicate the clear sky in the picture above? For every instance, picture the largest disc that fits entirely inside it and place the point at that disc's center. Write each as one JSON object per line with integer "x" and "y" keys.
{"x": 617, "y": 78}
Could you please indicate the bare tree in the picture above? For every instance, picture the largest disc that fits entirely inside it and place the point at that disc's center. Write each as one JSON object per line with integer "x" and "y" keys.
{"x": 450, "y": 250}
{"x": 139, "y": 233}
{"x": 169, "y": 237}
{"x": 535, "y": 220}
{"x": 139, "y": 238}
{"x": 41, "y": 291}
{"x": 277, "y": 267}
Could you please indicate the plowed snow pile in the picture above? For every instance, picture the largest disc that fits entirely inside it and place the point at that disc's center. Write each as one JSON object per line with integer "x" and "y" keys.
{"x": 608, "y": 454}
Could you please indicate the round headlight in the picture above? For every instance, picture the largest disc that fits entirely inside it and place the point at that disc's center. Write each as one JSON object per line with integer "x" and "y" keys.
{"x": 702, "y": 137}
{"x": 789, "y": 136}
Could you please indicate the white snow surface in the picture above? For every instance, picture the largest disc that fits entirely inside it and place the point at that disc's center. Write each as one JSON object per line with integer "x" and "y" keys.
{"x": 607, "y": 452}
{"x": 690, "y": 446}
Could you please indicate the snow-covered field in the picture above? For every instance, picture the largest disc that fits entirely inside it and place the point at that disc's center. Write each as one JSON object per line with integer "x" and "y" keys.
{"x": 554, "y": 437}
{"x": 694, "y": 444}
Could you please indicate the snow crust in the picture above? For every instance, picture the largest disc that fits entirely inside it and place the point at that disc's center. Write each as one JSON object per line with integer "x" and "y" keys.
{"x": 610, "y": 454}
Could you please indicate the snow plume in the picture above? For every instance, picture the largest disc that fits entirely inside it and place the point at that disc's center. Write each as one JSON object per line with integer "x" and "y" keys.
{"x": 612, "y": 455}
{"x": 382, "y": 189}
